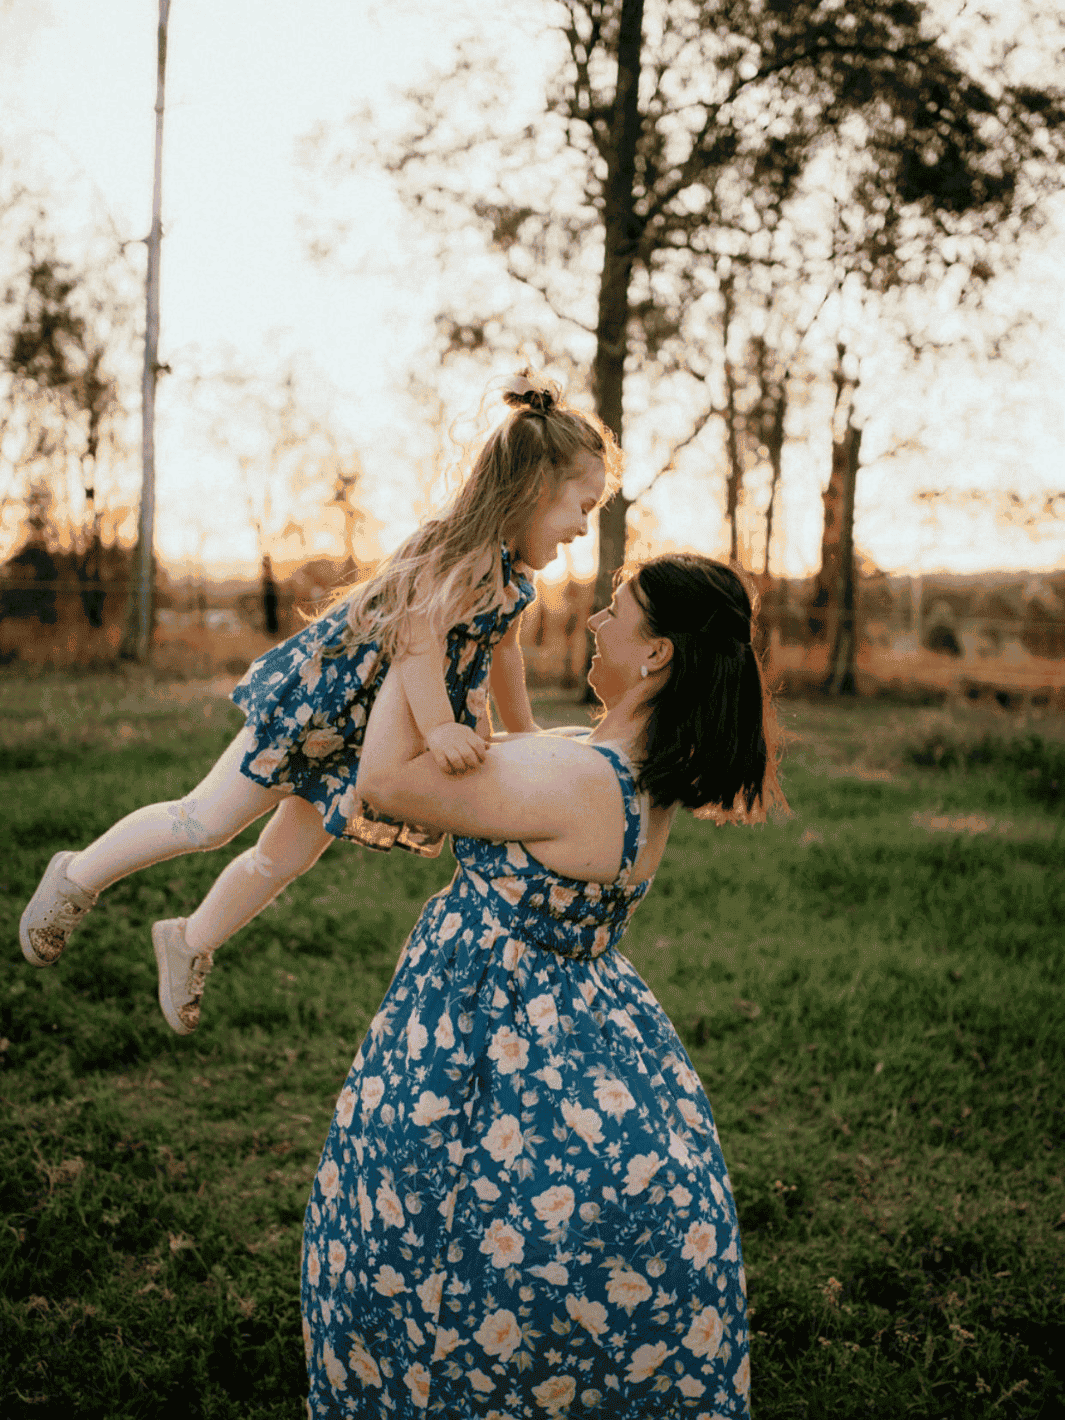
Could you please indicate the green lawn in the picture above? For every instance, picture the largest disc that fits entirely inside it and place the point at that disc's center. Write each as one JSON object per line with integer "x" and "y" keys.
{"x": 871, "y": 991}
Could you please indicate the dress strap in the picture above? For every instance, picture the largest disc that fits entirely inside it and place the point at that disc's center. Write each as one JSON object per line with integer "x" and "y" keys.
{"x": 509, "y": 570}
{"x": 515, "y": 583}
{"x": 637, "y": 810}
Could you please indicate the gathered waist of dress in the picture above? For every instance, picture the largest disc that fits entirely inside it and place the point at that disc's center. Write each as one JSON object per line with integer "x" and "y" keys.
{"x": 567, "y": 918}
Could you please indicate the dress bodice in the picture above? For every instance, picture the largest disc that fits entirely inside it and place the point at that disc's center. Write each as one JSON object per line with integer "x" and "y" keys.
{"x": 561, "y": 914}
{"x": 498, "y": 610}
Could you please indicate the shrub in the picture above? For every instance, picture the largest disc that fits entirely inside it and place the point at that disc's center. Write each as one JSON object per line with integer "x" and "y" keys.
{"x": 1036, "y": 764}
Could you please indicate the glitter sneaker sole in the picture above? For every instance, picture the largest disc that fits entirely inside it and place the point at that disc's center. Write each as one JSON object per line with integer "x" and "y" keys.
{"x": 52, "y": 913}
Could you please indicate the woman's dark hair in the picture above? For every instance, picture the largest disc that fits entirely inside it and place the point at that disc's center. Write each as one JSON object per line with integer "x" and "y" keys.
{"x": 711, "y": 736}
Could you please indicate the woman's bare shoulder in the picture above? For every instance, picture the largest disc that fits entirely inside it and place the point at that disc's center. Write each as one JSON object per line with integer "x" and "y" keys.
{"x": 570, "y": 789}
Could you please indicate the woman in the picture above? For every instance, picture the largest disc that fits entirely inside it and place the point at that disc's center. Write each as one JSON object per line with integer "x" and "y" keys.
{"x": 522, "y": 1208}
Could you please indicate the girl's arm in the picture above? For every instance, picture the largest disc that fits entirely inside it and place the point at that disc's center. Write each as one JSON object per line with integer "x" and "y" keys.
{"x": 538, "y": 788}
{"x": 455, "y": 748}
{"x": 507, "y": 682}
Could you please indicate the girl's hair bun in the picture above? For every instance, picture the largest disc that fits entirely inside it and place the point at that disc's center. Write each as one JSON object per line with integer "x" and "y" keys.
{"x": 532, "y": 393}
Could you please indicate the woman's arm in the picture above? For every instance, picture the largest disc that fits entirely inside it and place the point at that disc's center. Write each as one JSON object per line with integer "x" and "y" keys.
{"x": 507, "y": 682}
{"x": 455, "y": 748}
{"x": 538, "y": 788}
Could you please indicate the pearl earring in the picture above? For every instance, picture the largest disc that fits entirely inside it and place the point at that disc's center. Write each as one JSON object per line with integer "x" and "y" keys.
{"x": 643, "y": 672}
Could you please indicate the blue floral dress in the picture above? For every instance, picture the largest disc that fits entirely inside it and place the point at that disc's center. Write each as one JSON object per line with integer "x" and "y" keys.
{"x": 308, "y": 700}
{"x": 522, "y": 1209}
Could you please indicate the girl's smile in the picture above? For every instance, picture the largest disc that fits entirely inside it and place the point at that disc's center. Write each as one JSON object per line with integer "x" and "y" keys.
{"x": 561, "y": 513}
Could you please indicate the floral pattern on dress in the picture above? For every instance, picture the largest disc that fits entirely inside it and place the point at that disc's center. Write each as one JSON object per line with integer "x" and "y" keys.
{"x": 308, "y": 700}
{"x": 522, "y": 1209}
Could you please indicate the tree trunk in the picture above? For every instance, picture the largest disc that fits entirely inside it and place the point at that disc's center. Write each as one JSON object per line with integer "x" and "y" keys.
{"x": 621, "y": 238}
{"x": 842, "y": 662}
{"x": 270, "y": 599}
{"x": 734, "y": 476}
{"x": 822, "y": 604}
{"x": 775, "y": 444}
{"x": 136, "y": 641}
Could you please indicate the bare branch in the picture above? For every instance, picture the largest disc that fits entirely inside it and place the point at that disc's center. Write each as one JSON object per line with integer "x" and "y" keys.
{"x": 581, "y": 105}
{"x": 545, "y": 295}
{"x": 711, "y": 412}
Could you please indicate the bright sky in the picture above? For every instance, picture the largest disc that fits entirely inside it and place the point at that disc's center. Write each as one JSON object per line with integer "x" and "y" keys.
{"x": 246, "y": 80}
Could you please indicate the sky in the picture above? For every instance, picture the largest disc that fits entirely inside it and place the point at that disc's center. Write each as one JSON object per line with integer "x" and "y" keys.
{"x": 247, "y": 80}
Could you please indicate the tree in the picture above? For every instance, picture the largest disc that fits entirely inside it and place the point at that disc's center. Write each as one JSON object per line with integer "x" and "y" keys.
{"x": 293, "y": 458}
{"x": 680, "y": 142}
{"x": 837, "y": 575}
{"x": 765, "y": 422}
{"x": 62, "y": 401}
{"x": 616, "y": 131}
{"x": 136, "y": 640}
{"x": 33, "y": 564}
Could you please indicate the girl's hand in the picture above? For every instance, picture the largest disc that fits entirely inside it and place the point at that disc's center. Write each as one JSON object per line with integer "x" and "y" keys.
{"x": 456, "y": 749}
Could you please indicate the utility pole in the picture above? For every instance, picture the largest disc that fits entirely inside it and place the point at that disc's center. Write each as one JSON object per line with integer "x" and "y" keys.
{"x": 136, "y": 641}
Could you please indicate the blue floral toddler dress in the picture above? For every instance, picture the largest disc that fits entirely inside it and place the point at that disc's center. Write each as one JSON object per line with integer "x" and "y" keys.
{"x": 308, "y": 699}
{"x": 522, "y": 1209}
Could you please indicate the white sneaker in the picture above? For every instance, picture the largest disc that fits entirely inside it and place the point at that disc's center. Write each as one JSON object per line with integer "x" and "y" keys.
{"x": 181, "y": 975}
{"x": 53, "y": 912}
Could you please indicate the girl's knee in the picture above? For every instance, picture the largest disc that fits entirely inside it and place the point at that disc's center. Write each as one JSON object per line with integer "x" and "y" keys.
{"x": 194, "y": 829}
{"x": 225, "y": 802}
{"x": 291, "y": 842}
{"x": 258, "y": 863}
{"x": 280, "y": 867}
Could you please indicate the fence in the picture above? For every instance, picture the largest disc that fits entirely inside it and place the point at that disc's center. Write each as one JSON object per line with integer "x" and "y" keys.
{"x": 1009, "y": 661}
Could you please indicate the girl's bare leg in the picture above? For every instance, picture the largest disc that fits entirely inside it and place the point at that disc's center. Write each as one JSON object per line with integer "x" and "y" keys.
{"x": 291, "y": 842}
{"x": 214, "y": 812}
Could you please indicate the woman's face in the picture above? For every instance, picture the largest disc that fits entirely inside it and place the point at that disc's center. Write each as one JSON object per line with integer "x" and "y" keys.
{"x": 561, "y": 513}
{"x": 622, "y": 646}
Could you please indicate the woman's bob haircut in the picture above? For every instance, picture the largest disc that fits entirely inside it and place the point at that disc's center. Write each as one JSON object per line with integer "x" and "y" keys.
{"x": 712, "y": 742}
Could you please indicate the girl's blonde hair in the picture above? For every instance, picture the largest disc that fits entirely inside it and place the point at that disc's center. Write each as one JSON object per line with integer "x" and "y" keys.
{"x": 450, "y": 566}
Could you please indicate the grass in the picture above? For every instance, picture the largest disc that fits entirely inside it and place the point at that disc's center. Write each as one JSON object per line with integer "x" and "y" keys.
{"x": 871, "y": 991}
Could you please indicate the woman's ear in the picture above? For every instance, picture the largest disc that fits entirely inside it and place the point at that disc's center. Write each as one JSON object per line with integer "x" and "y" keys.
{"x": 659, "y": 654}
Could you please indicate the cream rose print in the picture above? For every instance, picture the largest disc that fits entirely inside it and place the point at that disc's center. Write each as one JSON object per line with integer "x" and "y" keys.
{"x": 522, "y": 1209}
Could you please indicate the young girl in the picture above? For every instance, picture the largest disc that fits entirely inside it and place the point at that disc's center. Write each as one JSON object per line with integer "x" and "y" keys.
{"x": 437, "y": 609}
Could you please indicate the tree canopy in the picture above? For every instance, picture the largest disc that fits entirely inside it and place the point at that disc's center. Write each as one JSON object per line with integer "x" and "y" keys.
{"x": 687, "y": 149}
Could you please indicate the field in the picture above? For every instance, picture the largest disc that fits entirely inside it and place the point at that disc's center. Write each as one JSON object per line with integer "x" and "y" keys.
{"x": 871, "y": 991}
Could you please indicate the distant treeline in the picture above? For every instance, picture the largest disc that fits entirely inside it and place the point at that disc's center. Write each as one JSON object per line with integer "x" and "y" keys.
{"x": 82, "y": 594}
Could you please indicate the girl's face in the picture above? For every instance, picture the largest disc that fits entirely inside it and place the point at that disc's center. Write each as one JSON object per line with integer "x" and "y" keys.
{"x": 561, "y": 513}
{"x": 622, "y": 646}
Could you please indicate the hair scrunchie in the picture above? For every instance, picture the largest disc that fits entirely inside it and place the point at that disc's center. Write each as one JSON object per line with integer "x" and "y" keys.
{"x": 539, "y": 397}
